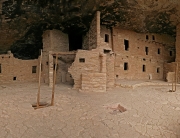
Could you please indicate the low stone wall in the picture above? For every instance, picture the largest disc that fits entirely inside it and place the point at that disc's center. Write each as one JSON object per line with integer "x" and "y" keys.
{"x": 93, "y": 82}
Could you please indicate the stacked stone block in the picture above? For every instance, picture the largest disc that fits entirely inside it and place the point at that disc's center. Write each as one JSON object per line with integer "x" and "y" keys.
{"x": 93, "y": 82}
{"x": 91, "y": 64}
{"x": 91, "y": 38}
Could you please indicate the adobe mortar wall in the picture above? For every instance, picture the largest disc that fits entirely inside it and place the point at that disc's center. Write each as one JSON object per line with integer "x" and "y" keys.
{"x": 21, "y": 69}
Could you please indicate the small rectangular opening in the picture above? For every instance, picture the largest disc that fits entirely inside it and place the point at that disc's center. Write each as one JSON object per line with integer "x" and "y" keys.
{"x": 153, "y": 37}
{"x": 144, "y": 68}
{"x": 170, "y": 53}
{"x": 144, "y": 59}
{"x": 0, "y": 68}
{"x": 146, "y": 50}
{"x": 14, "y": 78}
{"x": 159, "y": 50}
{"x": 125, "y": 66}
{"x": 117, "y": 76}
{"x": 82, "y": 60}
{"x": 126, "y": 44}
{"x": 47, "y": 63}
{"x": 34, "y": 69}
{"x": 106, "y": 51}
{"x": 158, "y": 70}
{"x": 106, "y": 38}
{"x": 147, "y": 37}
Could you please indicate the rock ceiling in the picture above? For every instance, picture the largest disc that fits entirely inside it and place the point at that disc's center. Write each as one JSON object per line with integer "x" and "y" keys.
{"x": 23, "y": 21}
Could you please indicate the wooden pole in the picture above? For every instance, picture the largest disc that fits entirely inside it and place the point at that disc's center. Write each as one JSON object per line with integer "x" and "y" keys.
{"x": 54, "y": 81}
{"x": 39, "y": 86}
{"x": 176, "y": 71}
{"x": 172, "y": 85}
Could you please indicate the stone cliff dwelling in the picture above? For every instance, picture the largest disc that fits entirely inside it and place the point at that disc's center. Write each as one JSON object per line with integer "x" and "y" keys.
{"x": 102, "y": 56}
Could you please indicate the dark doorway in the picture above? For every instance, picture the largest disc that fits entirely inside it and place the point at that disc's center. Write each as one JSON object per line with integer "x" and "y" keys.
{"x": 153, "y": 38}
{"x": 106, "y": 38}
{"x": 125, "y": 66}
{"x": 126, "y": 44}
{"x": 158, "y": 70}
{"x": 75, "y": 42}
{"x": 170, "y": 53}
{"x": 144, "y": 68}
{"x": 14, "y": 78}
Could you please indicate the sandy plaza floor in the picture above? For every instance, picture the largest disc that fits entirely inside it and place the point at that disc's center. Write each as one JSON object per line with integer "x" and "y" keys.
{"x": 152, "y": 112}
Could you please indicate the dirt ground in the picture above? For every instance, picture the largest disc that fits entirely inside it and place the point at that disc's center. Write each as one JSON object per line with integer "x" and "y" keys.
{"x": 152, "y": 112}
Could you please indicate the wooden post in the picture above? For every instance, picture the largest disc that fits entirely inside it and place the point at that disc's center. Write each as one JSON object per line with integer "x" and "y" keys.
{"x": 39, "y": 86}
{"x": 176, "y": 73}
{"x": 54, "y": 81}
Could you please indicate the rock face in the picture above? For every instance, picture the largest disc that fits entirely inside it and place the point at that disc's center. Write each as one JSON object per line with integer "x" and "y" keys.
{"x": 22, "y": 22}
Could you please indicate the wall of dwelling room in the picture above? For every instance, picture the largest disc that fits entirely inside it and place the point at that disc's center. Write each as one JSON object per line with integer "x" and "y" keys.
{"x": 141, "y": 56}
{"x": 178, "y": 49}
{"x": 17, "y": 70}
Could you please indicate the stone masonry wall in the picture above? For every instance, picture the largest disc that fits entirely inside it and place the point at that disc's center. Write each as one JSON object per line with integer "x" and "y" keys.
{"x": 93, "y": 82}
{"x": 141, "y": 63}
{"x": 97, "y": 63}
{"x": 64, "y": 62}
{"x": 90, "y": 40}
{"x": 85, "y": 62}
{"x": 104, "y": 31}
{"x": 178, "y": 49}
{"x": 56, "y": 41}
{"x": 169, "y": 67}
{"x": 59, "y": 41}
{"x": 17, "y": 70}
